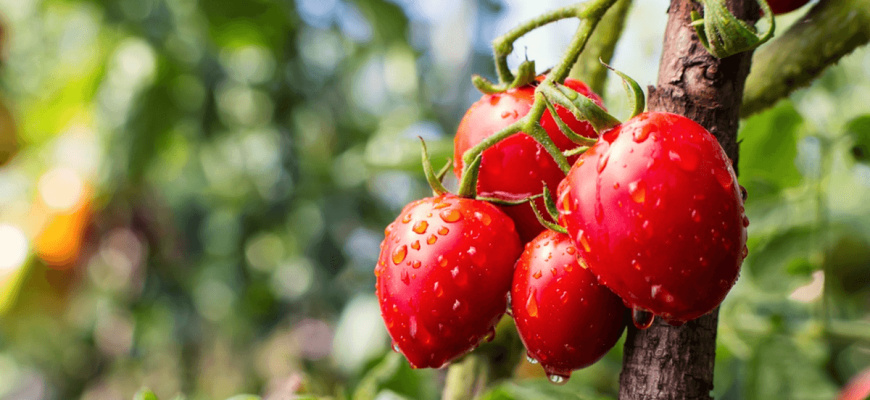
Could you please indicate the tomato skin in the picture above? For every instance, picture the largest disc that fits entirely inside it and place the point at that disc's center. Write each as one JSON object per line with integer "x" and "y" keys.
{"x": 565, "y": 318}
{"x": 443, "y": 276}
{"x": 785, "y": 6}
{"x": 655, "y": 210}
{"x": 514, "y": 168}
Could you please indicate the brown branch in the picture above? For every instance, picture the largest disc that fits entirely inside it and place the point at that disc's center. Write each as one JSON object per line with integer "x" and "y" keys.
{"x": 665, "y": 362}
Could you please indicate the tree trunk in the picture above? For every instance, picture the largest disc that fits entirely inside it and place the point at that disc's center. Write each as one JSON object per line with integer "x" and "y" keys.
{"x": 666, "y": 362}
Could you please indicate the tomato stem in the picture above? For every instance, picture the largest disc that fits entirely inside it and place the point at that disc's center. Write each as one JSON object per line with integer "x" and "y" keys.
{"x": 581, "y": 106}
{"x": 434, "y": 182}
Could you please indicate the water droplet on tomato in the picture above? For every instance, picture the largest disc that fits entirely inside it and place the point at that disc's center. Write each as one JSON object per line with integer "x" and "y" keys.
{"x": 415, "y": 245}
{"x": 396, "y": 348}
{"x": 564, "y": 297}
{"x": 537, "y": 275}
{"x": 416, "y": 264}
{"x": 647, "y": 227}
{"x": 506, "y": 114}
{"x": 654, "y": 290}
{"x": 420, "y": 227}
{"x": 640, "y": 134}
{"x": 407, "y": 218}
{"x": 432, "y": 239}
{"x": 532, "y": 303}
{"x": 450, "y": 215}
{"x": 531, "y": 359}
{"x": 569, "y": 267}
{"x": 483, "y": 218}
{"x": 687, "y": 159}
{"x": 745, "y": 222}
{"x": 745, "y": 251}
{"x": 637, "y": 191}
{"x": 616, "y": 185}
{"x": 703, "y": 261}
{"x": 602, "y": 162}
{"x": 696, "y": 216}
{"x": 456, "y": 305}
{"x": 641, "y": 318}
{"x": 723, "y": 176}
{"x": 442, "y": 261}
{"x": 405, "y": 278}
{"x": 635, "y": 264}
{"x": 583, "y": 241}
{"x": 399, "y": 254}
{"x": 441, "y": 205}
{"x": 571, "y": 250}
{"x": 438, "y": 290}
{"x": 558, "y": 379}
{"x": 743, "y": 193}
{"x": 443, "y": 231}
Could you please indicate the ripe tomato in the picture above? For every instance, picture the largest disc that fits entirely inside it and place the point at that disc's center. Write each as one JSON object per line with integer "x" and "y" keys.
{"x": 565, "y": 318}
{"x": 514, "y": 168}
{"x": 443, "y": 277}
{"x": 785, "y": 6}
{"x": 655, "y": 210}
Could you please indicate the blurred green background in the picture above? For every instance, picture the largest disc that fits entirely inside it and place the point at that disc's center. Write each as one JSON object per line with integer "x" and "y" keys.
{"x": 198, "y": 191}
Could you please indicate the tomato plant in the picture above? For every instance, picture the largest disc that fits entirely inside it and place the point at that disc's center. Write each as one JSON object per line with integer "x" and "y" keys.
{"x": 514, "y": 168}
{"x": 565, "y": 318}
{"x": 655, "y": 210}
{"x": 443, "y": 276}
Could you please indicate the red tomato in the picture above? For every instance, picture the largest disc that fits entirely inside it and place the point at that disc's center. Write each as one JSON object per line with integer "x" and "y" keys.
{"x": 514, "y": 168}
{"x": 655, "y": 210}
{"x": 443, "y": 277}
{"x": 565, "y": 318}
{"x": 785, "y": 6}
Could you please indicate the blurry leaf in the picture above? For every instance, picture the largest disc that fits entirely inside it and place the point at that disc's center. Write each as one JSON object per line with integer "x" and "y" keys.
{"x": 398, "y": 152}
{"x": 768, "y": 147}
{"x": 145, "y": 394}
{"x": 377, "y": 376}
{"x": 771, "y": 262}
{"x": 532, "y": 390}
{"x": 8, "y": 135}
{"x": 244, "y": 397}
{"x": 858, "y": 131}
{"x": 779, "y": 370}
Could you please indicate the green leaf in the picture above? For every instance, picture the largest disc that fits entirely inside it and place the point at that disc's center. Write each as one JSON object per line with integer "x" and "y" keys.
{"x": 775, "y": 263}
{"x": 244, "y": 397}
{"x": 858, "y": 132}
{"x": 780, "y": 370}
{"x": 768, "y": 147}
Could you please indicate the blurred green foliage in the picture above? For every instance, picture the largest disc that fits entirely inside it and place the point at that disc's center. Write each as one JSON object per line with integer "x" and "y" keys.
{"x": 245, "y": 156}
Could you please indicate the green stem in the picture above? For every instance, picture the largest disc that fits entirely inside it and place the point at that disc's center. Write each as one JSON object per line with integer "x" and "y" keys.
{"x": 465, "y": 379}
{"x": 536, "y": 131}
{"x": 829, "y": 31}
{"x": 601, "y": 46}
{"x": 472, "y": 153}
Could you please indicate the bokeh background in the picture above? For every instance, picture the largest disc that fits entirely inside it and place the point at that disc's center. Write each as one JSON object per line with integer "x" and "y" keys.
{"x": 192, "y": 194}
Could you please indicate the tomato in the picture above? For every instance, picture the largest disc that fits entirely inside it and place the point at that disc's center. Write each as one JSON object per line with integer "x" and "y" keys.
{"x": 443, "y": 277}
{"x": 655, "y": 210}
{"x": 565, "y": 318}
{"x": 514, "y": 168}
{"x": 785, "y": 6}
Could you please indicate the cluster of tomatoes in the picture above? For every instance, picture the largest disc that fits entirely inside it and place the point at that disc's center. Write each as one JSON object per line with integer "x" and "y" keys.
{"x": 649, "y": 219}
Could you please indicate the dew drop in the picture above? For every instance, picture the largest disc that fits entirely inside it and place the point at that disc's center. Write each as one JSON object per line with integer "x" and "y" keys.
{"x": 454, "y": 271}
{"x": 642, "y": 319}
{"x": 745, "y": 222}
{"x": 415, "y": 245}
{"x": 532, "y": 304}
{"x": 442, "y": 205}
{"x": 396, "y": 348}
{"x": 583, "y": 241}
{"x": 442, "y": 261}
{"x": 602, "y": 162}
{"x": 640, "y": 134}
{"x": 696, "y": 216}
{"x": 420, "y": 227}
{"x": 477, "y": 257}
{"x": 745, "y": 251}
{"x": 553, "y": 271}
{"x": 569, "y": 267}
{"x": 443, "y": 231}
{"x": 483, "y": 218}
{"x": 564, "y": 297}
{"x": 571, "y": 250}
{"x": 416, "y": 264}
{"x": 432, "y": 239}
{"x": 616, "y": 185}
{"x": 438, "y": 290}
{"x": 635, "y": 264}
{"x": 456, "y": 305}
{"x": 723, "y": 176}
{"x": 506, "y": 114}
{"x": 405, "y": 278}
{"x": 637, "y": 191}
{"x": 558, "y": 379}
{"x": 450, "y": 215}
{"x": 531, "y": 359}
{"x": 687, "y": 159}
{"x": 407, "y": 218}
{"x": 703, "y": 261}
{"x": 743, "y": 193}
{"x": 399, "y": 254}
{"x": 655, "y": 290}
{"x": 537, "y": 275}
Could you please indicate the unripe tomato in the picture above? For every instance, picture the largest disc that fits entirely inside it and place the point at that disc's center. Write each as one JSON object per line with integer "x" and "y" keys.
{"x": 443, "y": 277}
{"x": 655, "y": 210}
{"x": 514, "y": 168}
{"x": 565, "y": 318}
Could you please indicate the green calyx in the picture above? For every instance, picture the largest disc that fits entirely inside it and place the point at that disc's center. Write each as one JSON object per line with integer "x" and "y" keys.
{"x": 551, "y": 210}
{"x": 432, "y": 177}
{"x": 723, "y": 35}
